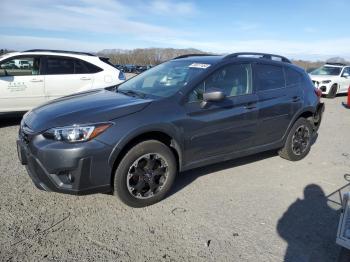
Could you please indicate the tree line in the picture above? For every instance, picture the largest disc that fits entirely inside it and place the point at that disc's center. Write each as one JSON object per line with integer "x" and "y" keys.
{"x": 155, "y": 56}
{"x": 146, "y": 56}
{"x": 4, "y": 51}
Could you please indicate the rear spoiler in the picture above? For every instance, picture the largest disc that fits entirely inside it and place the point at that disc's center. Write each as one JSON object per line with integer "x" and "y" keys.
{"x": 106, "y": 60}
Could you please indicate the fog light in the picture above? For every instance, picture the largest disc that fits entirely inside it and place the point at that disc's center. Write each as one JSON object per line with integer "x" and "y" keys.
{"x": 65, "y": 177}
{"x": 70, "y": 178}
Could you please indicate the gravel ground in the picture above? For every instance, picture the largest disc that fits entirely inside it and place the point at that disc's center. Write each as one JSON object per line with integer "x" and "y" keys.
{"x": 259, "y": 208}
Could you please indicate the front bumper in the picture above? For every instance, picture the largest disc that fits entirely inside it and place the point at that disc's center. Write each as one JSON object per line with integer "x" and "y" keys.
{"x": 323, "y": 87}
{"x": 80, "y": 168}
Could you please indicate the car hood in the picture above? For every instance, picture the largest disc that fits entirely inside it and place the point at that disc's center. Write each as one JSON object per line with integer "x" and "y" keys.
{"x": 83, "y": 108}
{"x": 322, "y": 77}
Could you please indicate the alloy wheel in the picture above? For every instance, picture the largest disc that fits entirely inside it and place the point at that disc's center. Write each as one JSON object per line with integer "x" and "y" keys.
{"x": 147, "y": 176}
{"x": 300, "y": 140}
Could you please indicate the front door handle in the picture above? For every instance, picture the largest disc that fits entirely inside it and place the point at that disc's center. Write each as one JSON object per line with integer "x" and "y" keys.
{"x": 36, "y": 80}
{"x": 85, "y": 78}
{"x": 250, "y": 106}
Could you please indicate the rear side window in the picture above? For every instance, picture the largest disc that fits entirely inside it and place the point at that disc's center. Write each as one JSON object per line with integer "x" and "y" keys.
{"x": 92, "y": 68}
{"x": 59, "y": 66}
{"x": 80, "y": 67}
{"x": 269, "y": 77}
{"x": 293, "y": 78}
{"x": 65, "y": 66}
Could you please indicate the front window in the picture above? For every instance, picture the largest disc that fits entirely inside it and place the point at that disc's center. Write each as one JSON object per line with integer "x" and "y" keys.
{"x": 327, "y": 70}
{"x": 163, "y": 80}
{"x": 346, "y": 71}
{"x": 232, "y": 80}
{"x": 20, "y": 66}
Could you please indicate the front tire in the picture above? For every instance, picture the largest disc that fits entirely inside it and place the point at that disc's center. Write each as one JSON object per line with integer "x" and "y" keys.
{"x": 145, "y": 174}
{"x": 298, "y": 143}
{"x": 333, "y": 91}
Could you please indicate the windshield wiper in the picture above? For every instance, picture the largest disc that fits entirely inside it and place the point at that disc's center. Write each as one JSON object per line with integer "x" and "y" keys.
{"x": 132, "y": 93}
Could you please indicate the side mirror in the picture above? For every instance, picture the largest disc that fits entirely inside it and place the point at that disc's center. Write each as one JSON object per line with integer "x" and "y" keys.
{"x": 212, "y": 95}
{"x": 346, "y": 75}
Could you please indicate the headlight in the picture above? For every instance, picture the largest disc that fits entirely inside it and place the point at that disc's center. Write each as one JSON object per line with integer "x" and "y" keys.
{"x": 326, "y": 81}
{"x": 76, "y": 133}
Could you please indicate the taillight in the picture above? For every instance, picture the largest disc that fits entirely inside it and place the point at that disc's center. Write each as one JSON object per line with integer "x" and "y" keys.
{"x": 121, "y": 76}
{"x": 318, "y": 92}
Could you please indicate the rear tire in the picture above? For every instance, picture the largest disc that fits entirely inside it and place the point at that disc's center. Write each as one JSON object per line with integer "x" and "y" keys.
{"x": 344, "y": 255}
{"x": 298, "y": 142}
{"x": 333, "y": 91}
{"x": 145, "y": 174}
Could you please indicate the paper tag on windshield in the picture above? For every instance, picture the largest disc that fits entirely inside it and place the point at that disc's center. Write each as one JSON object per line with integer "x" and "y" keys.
{"x": 197, "y": 65}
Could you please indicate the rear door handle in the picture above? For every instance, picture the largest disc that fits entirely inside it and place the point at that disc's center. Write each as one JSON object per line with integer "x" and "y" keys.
{"x": 296, "y": 98}
{"x": 36, "y": 80}
{"x": 85, "y": 78}
{"x": 250, "y": 106}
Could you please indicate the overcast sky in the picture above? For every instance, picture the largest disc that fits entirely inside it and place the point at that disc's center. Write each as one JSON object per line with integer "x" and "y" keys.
{"x": 313, "y": 29}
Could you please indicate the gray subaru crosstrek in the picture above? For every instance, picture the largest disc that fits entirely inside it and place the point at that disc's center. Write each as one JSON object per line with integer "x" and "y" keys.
{"x": 194, "y": 110}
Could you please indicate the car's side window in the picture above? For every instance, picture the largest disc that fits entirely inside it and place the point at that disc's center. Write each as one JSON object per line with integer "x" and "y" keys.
{"x": 293, "y": 78}
{"x": 20, "y": 66}
{"x": 346, "y": 71}
{"x": 232, "y": 80}
{"x": 67, "y": 66}
{"x": 80, "y": 67}
{"x": 59, "y": 66}
{"x": 92, "y": 68}
{"x": 269, "y": 77}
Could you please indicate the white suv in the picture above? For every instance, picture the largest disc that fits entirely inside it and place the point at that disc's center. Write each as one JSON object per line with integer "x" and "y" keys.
{"x": 30, "y": 78}
{"x": 331, "y": 79}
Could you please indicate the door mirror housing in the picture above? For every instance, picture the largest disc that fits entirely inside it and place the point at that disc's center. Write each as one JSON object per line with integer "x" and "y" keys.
{"x": 212, "y": 95}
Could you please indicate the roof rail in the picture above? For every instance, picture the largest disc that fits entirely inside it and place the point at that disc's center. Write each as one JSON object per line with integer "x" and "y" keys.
{"x": 261, "y": 55}
{"x": 336, "y": 64}
{"x": 188, "y": 55}
{"x": 59, "y": 51}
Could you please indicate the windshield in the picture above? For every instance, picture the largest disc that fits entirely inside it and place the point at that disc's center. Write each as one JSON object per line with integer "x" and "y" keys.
{"x": 163, "y": 80}
{"x": 327, "y": 70}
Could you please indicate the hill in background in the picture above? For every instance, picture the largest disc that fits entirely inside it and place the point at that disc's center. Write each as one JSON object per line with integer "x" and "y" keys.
{"x": 154, "y": 56}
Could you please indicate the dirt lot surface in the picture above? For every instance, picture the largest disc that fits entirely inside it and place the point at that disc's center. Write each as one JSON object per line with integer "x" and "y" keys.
{"x": 259, "y": 208}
